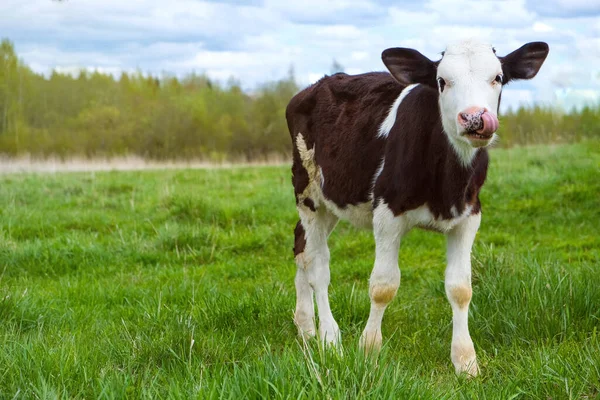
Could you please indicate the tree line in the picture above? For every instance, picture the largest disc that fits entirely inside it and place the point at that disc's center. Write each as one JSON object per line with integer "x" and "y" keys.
{"x": 93, "y": 114}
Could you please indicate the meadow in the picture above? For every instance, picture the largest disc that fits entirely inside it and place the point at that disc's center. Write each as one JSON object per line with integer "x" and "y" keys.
{"x": 179, "y": 284}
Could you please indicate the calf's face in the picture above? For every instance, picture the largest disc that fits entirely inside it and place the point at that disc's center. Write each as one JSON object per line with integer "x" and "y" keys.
{"x": 469, "y": 80}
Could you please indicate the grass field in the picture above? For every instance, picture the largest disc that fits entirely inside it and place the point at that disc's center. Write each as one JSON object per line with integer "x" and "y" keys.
{"x": 179, "y": 284}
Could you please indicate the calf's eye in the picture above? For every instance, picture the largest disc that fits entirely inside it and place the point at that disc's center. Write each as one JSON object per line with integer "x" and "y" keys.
{"x": 441, "y": 84}
{"x": 498, "y": 78}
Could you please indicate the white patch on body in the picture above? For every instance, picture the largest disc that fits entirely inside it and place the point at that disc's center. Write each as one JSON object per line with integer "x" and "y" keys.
{"x": 390, "y": 120}
{"x": 315, "y": 179}
{"x": 322, "y": 178}
{"x": 307, "y": 156}
{"x": 469, "y": 69}
{"x": 375, "y": 177}
{"x": 454, "y": 211}
{"x": 422, "y": 217}
{"x": 360, "y": 215}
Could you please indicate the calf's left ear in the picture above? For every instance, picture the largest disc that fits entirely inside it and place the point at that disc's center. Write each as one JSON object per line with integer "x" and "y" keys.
{"x": 409, "y": 66}
{"x": 525, "y": 62}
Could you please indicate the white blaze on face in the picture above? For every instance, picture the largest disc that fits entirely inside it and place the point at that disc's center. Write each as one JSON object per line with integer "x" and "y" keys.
{"x": 467, "y": 79}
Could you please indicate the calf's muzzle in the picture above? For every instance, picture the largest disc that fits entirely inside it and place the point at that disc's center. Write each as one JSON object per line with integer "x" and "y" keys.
{"x": 478, "y": 120}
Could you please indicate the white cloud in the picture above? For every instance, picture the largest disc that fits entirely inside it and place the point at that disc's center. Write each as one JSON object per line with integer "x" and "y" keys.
{"x": 402, "y": 16}
{"x": 353, "y": 71}
{"x": 342, "y": 32}
{"x": 328, "y": 12}
{"x": 485, "y": 13}
{"x": 359, "y": 55}
{"x": 39, "y": 58}
{"x": 577, "y": 98}
{"x": 314, "y": 76}
{"x": 542, "y": 27}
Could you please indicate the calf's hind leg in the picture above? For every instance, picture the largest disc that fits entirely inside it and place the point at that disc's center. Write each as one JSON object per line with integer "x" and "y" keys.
{"x": 304, "y": 317}
{"x": 312, "y": 274}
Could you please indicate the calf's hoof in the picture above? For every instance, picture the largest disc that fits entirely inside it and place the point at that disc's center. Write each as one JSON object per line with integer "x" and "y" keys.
{"x": 305, "y": 325}
{"x": 471, "y": 369}
{"x": 330, "y": 334}
{"x": 370, "y": 341}
{"x": 465, "y": 360}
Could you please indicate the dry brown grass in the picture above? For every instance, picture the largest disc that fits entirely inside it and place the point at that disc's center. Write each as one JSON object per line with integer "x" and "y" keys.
{"x": 130, "y": 163}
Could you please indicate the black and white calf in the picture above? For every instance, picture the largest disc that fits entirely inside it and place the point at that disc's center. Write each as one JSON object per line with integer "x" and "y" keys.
{"x": 393, "y": 152}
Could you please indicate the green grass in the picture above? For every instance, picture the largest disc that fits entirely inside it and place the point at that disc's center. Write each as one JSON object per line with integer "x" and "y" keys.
{"x": 179, "y": 284}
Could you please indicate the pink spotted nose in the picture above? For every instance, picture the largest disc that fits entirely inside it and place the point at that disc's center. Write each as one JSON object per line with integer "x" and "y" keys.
{"x": 478, "y": 120}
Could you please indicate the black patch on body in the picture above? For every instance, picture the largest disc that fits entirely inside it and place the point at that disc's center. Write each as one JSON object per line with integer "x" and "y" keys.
{"x": 341, "y": 116}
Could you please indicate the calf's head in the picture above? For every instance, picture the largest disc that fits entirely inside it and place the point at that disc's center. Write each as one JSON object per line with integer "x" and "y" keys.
{"x": 469, "y": 80}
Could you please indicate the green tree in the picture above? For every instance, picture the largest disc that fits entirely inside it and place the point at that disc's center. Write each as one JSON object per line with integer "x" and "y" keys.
{"x": 94, "y": 114}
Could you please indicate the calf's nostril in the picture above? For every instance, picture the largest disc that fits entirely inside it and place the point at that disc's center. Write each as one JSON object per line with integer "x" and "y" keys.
{"x": 463, "y": 117}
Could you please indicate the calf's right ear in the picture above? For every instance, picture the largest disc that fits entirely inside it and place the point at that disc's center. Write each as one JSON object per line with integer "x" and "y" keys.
{"x": 409, "y": 66}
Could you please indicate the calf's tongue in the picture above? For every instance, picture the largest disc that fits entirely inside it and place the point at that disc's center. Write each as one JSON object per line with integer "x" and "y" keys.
{"x": 490, "y": 124}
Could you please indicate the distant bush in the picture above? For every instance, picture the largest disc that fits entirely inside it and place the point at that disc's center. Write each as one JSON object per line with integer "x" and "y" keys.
{"x": 546, "y": 125}
{"x": 96, "y": 115}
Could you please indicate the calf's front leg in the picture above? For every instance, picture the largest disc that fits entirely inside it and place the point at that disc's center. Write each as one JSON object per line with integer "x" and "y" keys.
{"x": 385, "y": 278}
{"x": 458, "y": 290}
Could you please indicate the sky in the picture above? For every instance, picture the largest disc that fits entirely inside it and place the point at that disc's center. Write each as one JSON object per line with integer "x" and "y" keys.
{"x": 257, "y": 41}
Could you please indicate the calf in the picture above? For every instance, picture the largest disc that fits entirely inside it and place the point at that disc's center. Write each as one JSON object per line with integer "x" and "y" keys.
{"x": 393, "y": 152}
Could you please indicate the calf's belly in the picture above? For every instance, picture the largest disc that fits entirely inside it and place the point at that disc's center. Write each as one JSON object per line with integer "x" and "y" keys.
{"x": 359, "y": 215}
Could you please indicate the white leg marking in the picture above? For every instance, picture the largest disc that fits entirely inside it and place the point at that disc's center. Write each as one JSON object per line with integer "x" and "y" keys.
{"x": 458, "y": 290}
{"x": 385, "y": 278}
{"x": 304, "y": 317}
{"x": 315, "y": 262}
{"x": 388, "y": 123}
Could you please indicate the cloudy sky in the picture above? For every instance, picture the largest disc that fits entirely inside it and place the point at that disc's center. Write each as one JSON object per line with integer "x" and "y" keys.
{"x": 259, "y": 40}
